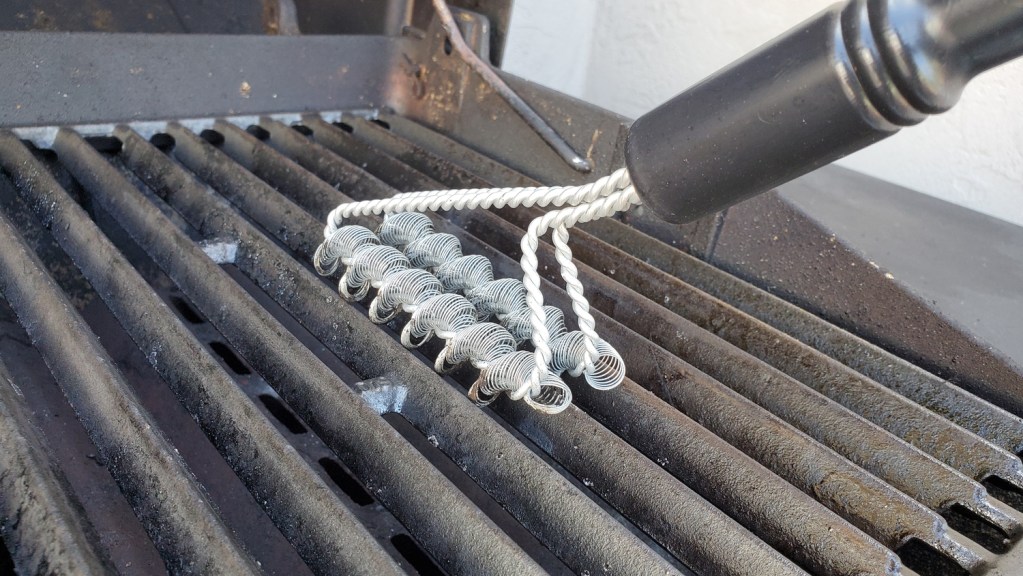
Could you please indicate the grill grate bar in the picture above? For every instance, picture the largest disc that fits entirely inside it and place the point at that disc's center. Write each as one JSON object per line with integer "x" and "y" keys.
{"x": 700, "y": 535}
{"x": 328, "y": 537}
{"x": 384, "y": 461}
{"x": 873, "y": 506}
{"x": 319, "y": 202}
{"x": 570, "y": 524}
{"x": 433, "y": 154}
{"x": 971, "y": 412}
{"x": 50, "y": 536}
{"x": 167, "y": 501}
{"x": 778, "y": 512}
{"x": 348, "y": 148}
{"x": 697, "y": 533}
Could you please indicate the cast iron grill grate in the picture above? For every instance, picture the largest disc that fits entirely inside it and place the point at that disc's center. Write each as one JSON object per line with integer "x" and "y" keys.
{"x": 212, "y": 406}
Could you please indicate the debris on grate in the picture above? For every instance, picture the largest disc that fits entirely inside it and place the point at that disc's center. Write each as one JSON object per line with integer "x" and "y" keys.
{"x": 220, "y": 251}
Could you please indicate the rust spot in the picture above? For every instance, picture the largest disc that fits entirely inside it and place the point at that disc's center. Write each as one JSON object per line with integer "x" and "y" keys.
{"x": 43, "y": 21}
{"x": 103, "y": 20}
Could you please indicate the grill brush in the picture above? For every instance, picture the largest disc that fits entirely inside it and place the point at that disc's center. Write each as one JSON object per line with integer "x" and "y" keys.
{"x": 848, "y": 77}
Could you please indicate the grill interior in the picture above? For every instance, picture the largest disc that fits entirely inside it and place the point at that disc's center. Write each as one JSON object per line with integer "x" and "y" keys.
{"x": 201, "y": 401}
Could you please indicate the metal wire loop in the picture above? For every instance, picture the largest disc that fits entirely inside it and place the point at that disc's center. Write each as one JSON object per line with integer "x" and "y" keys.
{"x": 518, "y": 323}
{"x": 432, "y": 250}
{"x": 340, "y": 247}
{"x": 498, "y": 297}
{"x": 479, "y": 397}
{"x": 479, "y": 344}
{"x": 443, "y": 314}
{"x": 554, "y": 397}
{"x": 608, "y": 371}
{"x": 466, "y": 273}
{"x": 568, "y": 354}
{"x": 403, "y": 228}
{"x": 370, "y": 265}
{"x": 507, "y": 373}
{"x": 404, "y": 290}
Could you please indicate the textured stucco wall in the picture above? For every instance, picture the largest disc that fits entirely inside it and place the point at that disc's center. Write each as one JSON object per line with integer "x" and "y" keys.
{"x": 630, "y": 56}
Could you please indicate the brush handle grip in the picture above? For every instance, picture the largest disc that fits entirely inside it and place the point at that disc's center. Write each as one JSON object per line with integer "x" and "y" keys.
{"x": 852, "y": 75}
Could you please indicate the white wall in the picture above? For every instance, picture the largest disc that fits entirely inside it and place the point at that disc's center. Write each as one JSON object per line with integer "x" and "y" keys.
{"x": 629, "y": 56}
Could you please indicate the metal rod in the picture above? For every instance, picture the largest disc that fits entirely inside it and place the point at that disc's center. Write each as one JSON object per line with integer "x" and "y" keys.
{"x": 171, "y": 507}
{"x": 777, "y": 511}
{"x": 371, "y": 448}
{"x": 326, "y": 534}
{"x": 444, "y": 166}
{"x": 558, "y": 514}
{"x": 772, "y": 523}
{"x": 534, "y": 120}
{"x": 873, "y": 506}
{"x": 404, "y": 132}
{"x": 393, "y": 172}
{"x": 696, "y": 531}
{"x": 51, "y": 535}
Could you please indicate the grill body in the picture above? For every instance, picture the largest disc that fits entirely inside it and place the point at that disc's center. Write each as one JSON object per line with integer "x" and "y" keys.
{"x": 178, "y": 375}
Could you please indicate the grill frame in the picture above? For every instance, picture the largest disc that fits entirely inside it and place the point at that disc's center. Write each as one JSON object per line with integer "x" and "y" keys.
{"x": 460, "y": 115}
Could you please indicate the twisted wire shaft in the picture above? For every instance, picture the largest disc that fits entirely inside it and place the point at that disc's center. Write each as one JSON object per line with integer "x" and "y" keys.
{"x": 483, "y": 198}
{"x": 561, "y": 220}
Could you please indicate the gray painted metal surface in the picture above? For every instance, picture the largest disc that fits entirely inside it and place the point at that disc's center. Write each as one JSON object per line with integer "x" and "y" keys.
{"x": 56, "y": 78}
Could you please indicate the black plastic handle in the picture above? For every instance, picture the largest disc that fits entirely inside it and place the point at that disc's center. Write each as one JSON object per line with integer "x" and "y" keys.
{"x": 844, "y": 79}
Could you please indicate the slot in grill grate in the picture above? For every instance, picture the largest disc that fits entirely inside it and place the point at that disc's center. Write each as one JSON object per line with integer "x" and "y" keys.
{"x": 752, "y": 438}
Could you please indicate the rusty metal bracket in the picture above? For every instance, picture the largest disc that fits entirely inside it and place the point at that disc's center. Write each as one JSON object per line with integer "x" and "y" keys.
{"x": 535, "y": 121}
